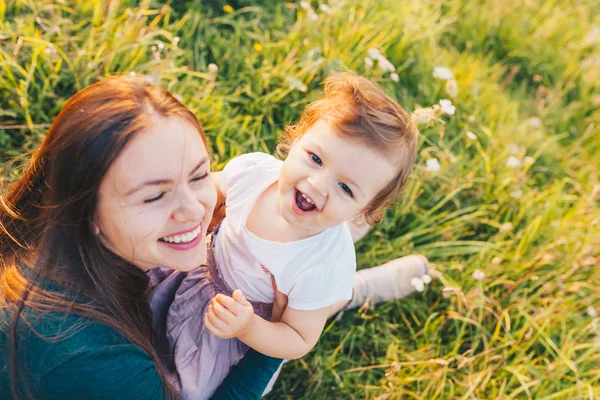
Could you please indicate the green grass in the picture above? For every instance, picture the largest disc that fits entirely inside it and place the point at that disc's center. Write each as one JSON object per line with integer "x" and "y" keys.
{"x": 528, "y": 78}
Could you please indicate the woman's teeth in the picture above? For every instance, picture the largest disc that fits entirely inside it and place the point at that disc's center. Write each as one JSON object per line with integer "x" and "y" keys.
{"x": 308, "y": 199}
{"x": 185, "y": 238}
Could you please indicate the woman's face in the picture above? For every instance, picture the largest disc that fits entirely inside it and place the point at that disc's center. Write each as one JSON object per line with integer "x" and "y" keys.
{"x": 157, "y": 199}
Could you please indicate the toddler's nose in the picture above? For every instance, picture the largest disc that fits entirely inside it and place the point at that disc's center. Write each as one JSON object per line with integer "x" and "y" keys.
{"x": 318, "y": 184}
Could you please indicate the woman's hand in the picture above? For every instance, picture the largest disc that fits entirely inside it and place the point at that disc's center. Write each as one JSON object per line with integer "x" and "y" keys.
{"x": 229, "y": 317}
{"x": 280, "y": 303}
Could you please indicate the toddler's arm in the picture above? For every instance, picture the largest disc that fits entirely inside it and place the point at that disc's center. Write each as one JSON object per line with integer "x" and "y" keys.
{"x": 291, "y": 338}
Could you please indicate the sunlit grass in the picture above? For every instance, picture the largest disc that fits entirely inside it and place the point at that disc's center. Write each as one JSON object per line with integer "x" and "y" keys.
{"x": 515, "y": 202}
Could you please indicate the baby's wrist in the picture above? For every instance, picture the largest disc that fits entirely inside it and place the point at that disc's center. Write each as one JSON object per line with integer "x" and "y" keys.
{"x": 248, "y": 328}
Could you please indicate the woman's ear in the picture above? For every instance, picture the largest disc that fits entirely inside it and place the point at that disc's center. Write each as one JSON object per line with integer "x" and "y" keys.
{"x": 95, "y": 229}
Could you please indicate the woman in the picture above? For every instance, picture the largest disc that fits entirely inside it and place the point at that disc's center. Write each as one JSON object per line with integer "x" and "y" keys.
{"x": 123, "y": 166}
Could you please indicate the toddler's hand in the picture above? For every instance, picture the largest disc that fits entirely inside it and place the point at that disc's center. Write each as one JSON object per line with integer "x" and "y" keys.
{"x": 229, "y": 317}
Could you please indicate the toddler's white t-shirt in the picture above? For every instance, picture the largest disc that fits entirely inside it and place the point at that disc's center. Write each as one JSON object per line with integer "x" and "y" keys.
{"x": 314, "y": 272}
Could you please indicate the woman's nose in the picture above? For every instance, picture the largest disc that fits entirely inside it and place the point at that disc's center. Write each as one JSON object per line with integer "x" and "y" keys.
{"x": 189, "y": 208}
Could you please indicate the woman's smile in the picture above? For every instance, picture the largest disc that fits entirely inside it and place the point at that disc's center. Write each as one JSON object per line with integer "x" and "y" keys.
{"x": 183, "y": 240}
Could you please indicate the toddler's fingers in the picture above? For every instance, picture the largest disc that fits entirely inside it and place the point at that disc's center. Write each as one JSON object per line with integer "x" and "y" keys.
{"x": 215, "y": 321}
{"x": 222, "y": 312}
{"x": 229, "y": 303}
{"x": 211, "y": 328}
{"x": 239, "y": 297}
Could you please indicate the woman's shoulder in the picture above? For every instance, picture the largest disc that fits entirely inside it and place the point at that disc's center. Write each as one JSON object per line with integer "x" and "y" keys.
{"x": 63, "y": 354}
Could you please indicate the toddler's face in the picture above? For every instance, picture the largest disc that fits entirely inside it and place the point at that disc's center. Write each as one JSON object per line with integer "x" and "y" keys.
{"x": 328, "y": 179}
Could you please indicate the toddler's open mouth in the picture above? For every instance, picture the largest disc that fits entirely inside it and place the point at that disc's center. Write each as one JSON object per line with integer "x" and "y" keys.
{"x": 304, "y": 202}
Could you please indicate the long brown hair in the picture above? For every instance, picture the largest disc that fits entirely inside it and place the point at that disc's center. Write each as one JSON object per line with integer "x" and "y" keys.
{"x": 46, "y": 217}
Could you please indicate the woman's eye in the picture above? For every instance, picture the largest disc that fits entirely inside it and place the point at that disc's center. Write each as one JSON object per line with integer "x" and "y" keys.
{"x": 346, "y": 189}
{"x": 316, "y": 159}
{"x": 199, "y": 178}
{"x": 156, "y": 198}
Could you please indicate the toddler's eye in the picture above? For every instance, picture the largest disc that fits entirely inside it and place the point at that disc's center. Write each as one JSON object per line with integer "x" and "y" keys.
{"x": 152, "y": 200}
{"x": 316, "y": 159}
{"x": 346, "y": 189}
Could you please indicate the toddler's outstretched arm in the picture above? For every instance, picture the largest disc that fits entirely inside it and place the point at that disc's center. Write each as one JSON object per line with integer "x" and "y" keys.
{"x": 291, "y": 338}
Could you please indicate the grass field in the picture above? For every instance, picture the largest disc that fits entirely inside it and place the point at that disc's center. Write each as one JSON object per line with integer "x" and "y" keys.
{"x": 505, "y": 198}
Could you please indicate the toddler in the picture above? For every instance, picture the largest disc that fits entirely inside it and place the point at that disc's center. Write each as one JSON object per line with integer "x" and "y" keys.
{"x": 346, "y": 160}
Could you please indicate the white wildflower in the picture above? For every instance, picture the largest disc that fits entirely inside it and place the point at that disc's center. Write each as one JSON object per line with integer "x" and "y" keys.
{"x": 368, "y": 63}
{"x": 385, "y": 64}
{"x": 517, "y": 194}
{"x": 433, "y": 165}
{"x": 443, "y": 73}
{"x": 132, "y": 73}
{"x": 447, "y": 107}
{"x": 534, "y": 122}
{"x": 176, "y": 40}
{"x": 305, "y": 5}
{"x": 426, "y": 279}
{"x": 50, "y": 50}
{"x": 424, "y": 115}
{"x": 325, "y": 8}
{"x": 471, "y": 135}
{"x": 213, "y": 68}
{"x": 592, "y": 312}
{"x": 373, "y": 53}
{"x": 513, "y": 149}
{"x": 418, "y": 284}
{"x": 478, "y": 275}
{"x": 513, "y": 162}
{"x": 528, "y": 160}
{"x": 452, "y": 88}
{"x": 161, "y": 45}
{"x": 312, "y": 15}
{"x": 394, "y": 76}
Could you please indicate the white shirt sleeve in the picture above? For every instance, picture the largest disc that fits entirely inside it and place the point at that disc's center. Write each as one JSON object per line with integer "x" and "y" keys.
{"x": 242, "y": 167}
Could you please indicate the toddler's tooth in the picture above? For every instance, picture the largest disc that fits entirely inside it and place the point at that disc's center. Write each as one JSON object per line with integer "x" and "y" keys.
{"x": 177, "y": 239}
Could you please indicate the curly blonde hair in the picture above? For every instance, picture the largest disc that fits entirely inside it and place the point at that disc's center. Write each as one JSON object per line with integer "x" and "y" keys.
{"x": 356, "y": 108}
